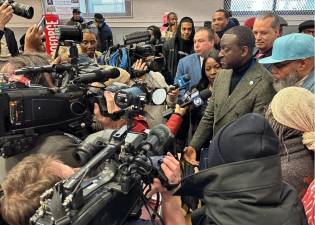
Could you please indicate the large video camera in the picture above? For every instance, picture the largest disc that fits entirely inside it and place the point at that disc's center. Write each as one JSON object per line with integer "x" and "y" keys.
{"x": 26, "y": 113}
{"x": 116, "y": 191}
{"x": 150, "y": 53}
{"x": 20, "y": 9}
{"x": 136, "y": 46}
{"x": 139, "y": 95}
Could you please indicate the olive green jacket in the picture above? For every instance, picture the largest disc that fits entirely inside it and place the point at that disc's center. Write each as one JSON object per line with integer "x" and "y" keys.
{"x": 252, "y": 94}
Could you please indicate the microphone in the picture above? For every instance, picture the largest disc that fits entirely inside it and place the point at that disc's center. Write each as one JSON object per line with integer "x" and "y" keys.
{"x": 157, "y": 137}
{"x": 197, "y": 98}
{"x": 98, "y": 75}
{"x": 183, "y": 81}
{"x": 137, "y": 37}
{"x": 59, "y": 68}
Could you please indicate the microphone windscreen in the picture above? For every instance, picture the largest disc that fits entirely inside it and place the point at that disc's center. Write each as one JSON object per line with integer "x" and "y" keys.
{"x": 162, "y": 132}
{"x": 186, "y": 77}
{"x": 115, "y": 72}
{"x": 205, "y": 94}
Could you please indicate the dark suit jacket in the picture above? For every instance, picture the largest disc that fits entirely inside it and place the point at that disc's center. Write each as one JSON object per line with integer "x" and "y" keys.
{"x": 252, "y": 94}
{"x": 11, "y": 41}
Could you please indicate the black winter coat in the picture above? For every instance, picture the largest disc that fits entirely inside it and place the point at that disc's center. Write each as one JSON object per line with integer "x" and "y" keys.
{"x": 246, "y": 192}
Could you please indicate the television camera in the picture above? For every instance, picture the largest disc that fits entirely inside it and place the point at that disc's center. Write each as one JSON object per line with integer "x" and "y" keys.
{"x": 136, "y": 46}
{"x": 29, "y": 111}
{"x": 126, "y": 167}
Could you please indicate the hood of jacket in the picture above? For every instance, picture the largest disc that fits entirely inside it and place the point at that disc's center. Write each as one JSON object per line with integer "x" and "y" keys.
{"x": 244, "y": 182}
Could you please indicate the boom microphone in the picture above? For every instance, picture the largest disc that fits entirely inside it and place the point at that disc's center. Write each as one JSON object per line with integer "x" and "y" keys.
{"x": 59, "y": 68}
{"x": 98, "y": 75}
{"x": 157, "y": 137}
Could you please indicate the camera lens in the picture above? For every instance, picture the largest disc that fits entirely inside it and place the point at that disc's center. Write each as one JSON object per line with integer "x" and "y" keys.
{"x": 23, "y": 10}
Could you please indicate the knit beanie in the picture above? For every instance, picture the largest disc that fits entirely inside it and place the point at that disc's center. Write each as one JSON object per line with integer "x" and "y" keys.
{"x": 248, "y": 137}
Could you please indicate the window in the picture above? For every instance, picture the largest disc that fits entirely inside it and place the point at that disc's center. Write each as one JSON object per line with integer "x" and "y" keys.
{"x": 284, "y": 7}
{"x": 109, "y": 8}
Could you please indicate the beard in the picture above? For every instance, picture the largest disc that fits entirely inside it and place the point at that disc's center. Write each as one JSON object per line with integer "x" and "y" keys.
{"x": 289, "y": 81}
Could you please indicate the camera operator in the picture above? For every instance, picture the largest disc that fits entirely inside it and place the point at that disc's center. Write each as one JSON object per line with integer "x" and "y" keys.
{"x": 139, "y": 123}
{"x": 153, "y": 80}
{"x": 28, "y": 60}
{"x": 8, "y": 44}
{"x": 30, "y": 178}
{"x": 55, "y": 142}
{"x": 87, "y": 47}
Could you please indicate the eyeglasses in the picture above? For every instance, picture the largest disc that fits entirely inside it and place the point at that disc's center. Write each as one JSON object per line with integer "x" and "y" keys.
{"x": 283, "y": 64}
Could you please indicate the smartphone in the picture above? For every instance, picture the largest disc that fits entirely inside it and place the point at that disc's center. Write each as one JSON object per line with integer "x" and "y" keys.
{"x": 42, "y": 22}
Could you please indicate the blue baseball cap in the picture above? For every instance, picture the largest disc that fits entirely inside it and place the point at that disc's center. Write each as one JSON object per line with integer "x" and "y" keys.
{"x": 291, "y": 47}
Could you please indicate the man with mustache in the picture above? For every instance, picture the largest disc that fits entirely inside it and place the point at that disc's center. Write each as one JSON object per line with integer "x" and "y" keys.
{"x": 242, "y": 86}
{"x": 292, "y": 61}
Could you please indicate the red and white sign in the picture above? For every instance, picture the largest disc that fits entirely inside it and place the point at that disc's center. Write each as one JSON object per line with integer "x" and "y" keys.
{"x": 52, "y": 22}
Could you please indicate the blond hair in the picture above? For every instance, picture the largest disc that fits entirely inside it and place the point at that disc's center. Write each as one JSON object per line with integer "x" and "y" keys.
{"x": 24, "y": 185}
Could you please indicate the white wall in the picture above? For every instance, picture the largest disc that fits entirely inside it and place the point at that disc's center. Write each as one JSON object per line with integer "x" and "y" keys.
{"x": 147, "y": 12}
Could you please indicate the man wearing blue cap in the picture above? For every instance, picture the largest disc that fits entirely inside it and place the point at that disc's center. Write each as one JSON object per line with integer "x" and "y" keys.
{"x": 292, "y": 61}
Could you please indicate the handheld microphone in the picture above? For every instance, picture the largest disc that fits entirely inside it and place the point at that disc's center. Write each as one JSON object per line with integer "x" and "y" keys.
{"x": 182, "y": 82}
{"x": 197, "y": 98}
{"x": 157, "y": 137}
{"x": 98, "y": 75}
{"x": 137, "y": 37}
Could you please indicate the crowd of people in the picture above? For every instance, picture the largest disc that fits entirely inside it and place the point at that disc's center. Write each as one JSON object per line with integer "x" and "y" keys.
{"x": 254, "y": 136}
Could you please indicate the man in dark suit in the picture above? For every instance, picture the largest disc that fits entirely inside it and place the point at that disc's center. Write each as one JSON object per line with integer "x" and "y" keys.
{"x": 242, "y": 86}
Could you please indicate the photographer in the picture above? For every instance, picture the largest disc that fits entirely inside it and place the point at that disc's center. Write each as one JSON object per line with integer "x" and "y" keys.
{"x": 153, "y": 80}
{"x": 28, "y": 180}
{"x": 8, "y": 44}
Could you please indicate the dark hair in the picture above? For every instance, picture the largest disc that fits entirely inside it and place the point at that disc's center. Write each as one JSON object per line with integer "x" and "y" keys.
{"x": 186, "y": 19}
{"x": 244, "y": 35}
{"x": 204, "y": 81}
{"x": 230, "y": 13}
{"x": 210, "y": 32}
{"x": 226, "y": 13}
{"x": 98, "y": 17}
{"x": 156, "y": 32}
{"x": 171, "y": 13}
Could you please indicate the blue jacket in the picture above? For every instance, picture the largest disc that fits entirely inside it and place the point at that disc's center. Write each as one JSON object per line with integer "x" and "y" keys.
{"x": 189, "y": 65}
{"x": 105, "y": 37}
{"x": 309, "y": 82}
